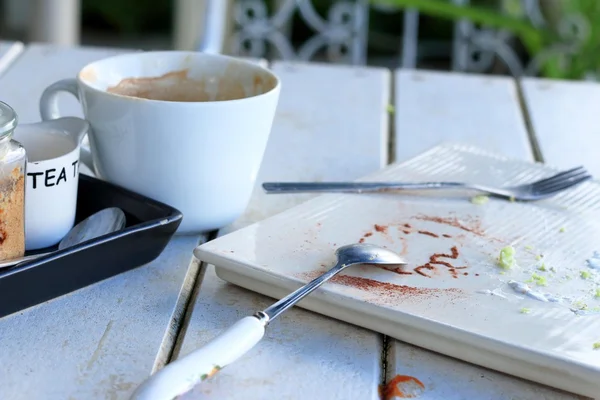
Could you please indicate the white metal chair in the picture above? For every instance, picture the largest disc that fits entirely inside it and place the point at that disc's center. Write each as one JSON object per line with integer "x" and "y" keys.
{"x": 343, "y": 34}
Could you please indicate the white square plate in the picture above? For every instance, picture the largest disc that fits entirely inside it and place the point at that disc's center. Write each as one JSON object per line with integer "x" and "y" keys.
{"x": 471, "y": 313}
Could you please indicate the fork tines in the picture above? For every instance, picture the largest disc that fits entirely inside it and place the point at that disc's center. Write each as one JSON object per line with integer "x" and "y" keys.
{"x": 562, "y": 180}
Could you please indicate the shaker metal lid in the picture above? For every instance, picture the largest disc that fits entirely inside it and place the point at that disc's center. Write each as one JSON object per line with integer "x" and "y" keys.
{"x": 8, "y": 119}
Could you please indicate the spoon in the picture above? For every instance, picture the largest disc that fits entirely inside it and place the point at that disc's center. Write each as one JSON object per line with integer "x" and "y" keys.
{"x": 180, "y": 376}
{"x": 104, "y": 221}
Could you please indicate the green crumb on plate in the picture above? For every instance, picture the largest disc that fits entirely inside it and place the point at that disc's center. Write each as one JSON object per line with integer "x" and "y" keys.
{"x": 511, "y": 199}
{"x": 506, "y": 260}
{"x": 562, "y": 230}
{"x": 597, "y": 294}
{"x": 539, "y": 280}
{"x": 552, "y": 269}
{"x": 538, "y": 257}
{"x": 596, "y": 346}
{"x": 585, "y": 274}
{"x": 528, "y": 247}
{"x": 580, "y": 305}
{"x": 480, "y": 199}
{"x": 542, "y": 267}
{"x": 525, "y": 310}
{"x": 391, "y": 109}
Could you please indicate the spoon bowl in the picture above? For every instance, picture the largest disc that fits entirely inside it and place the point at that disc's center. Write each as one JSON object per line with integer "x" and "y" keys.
{"x": 101, "y": 223}
{"x": 363, "y": 253}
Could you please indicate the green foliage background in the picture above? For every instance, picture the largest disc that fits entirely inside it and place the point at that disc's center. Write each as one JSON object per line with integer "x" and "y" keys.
{"x": 128, "y": 17}
{"x": 581, "y": 57}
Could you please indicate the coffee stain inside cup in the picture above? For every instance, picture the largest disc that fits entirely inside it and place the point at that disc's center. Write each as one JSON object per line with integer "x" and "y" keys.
{"x": 177, "y": 86}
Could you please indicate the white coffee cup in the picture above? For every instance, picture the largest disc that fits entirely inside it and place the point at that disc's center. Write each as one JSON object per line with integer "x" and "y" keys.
{"x": 201, "y": 157}
{"x": 52, "y": 149}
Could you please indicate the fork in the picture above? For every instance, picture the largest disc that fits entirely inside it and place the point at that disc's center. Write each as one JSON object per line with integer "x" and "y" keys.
{"x": 537, "y": 190}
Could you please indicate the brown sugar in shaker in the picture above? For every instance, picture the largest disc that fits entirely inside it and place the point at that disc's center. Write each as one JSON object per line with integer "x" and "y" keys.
{"x": 13, "y": 163}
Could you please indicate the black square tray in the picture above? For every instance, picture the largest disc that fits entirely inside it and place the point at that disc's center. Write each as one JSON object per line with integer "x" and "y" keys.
{"x": 149, "y": 227}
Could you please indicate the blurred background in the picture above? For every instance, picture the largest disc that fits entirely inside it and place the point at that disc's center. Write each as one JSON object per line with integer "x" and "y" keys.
{"x": 548, "y": 38}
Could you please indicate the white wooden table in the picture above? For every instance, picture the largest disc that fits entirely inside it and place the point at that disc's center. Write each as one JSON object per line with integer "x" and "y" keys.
{"x": 102, "y": 341}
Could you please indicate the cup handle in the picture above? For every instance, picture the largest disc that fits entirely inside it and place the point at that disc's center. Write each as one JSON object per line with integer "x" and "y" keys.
{"x": 49, "y": 99}
{"x": 49, "y": 110}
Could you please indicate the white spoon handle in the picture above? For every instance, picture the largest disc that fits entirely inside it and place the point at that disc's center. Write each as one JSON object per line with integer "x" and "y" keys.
{"x": 180, "y": 376}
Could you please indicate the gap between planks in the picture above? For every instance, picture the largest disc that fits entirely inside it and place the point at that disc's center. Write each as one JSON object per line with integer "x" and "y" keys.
{"x": 391, "y": 158}
{"x": 533, "y": 140}
{"x": 180, "y": 315}
{"x": 179, "y": 336}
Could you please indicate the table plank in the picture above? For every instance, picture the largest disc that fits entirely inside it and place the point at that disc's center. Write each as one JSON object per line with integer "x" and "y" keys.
{"x": 9, "y": 51}
{"x": 331, "y": 123}
{"x": 449, "y": 379}
{"x": 328, "y": 132}
{"x": 481, "y": 110}
{"x": 104, "y": 340}
{"x": 431, "y": 107}
{"x": 564, "y": 116}
{"x": 563, "y": 121}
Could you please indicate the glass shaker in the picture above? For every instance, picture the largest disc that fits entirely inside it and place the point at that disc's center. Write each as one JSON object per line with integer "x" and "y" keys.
{"x": 13, "y": 163}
